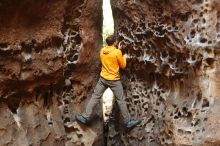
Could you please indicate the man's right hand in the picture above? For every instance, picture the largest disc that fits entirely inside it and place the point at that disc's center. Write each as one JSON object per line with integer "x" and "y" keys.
{"x": 125, "y": 55}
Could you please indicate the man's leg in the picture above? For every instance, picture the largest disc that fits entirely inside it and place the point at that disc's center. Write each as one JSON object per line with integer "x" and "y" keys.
{"x": 117, "y": 89}
{"x": 98, "y": 91}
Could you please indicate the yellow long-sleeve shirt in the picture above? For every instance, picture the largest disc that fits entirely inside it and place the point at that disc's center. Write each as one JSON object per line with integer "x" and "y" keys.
{"x": 112, "y": 60}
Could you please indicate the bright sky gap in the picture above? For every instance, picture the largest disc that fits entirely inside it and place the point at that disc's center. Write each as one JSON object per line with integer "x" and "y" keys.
{"x": 108, "y": 22}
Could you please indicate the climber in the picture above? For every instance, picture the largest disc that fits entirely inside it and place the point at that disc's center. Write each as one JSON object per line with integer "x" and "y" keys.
{"x": 111, "y": 59}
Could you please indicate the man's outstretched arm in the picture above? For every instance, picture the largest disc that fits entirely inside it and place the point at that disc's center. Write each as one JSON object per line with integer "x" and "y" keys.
{"x": 121, "y": 59}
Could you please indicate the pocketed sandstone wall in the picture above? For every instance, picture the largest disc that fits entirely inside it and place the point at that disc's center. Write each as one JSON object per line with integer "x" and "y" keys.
{"x": 172, "y": 78}
{"x": 48, "y": 67}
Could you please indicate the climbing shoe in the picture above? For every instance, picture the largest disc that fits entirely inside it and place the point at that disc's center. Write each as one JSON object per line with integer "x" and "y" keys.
{"x": 132, "y": 123}
{"x": 82, "y": 119}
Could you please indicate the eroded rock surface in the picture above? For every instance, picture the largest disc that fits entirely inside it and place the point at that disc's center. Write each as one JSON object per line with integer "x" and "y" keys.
{"x": 48, "y": 66}
{"x": 172, "y": 79}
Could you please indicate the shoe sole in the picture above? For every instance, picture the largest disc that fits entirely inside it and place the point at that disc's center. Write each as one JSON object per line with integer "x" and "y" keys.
{"x": 80, "y": 121}
{"x": 134, "y": 125}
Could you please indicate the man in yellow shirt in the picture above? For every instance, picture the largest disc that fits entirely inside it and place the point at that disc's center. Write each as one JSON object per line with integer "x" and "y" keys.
{"x": 112, "y": 60}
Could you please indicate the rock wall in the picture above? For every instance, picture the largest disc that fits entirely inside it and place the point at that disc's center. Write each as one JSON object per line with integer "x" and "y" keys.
{"x": 48, "y": 67}
{"x": 172, "y": 78}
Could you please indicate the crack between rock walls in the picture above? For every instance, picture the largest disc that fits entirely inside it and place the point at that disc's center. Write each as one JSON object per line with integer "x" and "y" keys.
{"x": 107, "y": 29}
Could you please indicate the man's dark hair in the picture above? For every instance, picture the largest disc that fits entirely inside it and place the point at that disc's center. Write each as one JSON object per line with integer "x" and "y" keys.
{"x": 110, "y": 40}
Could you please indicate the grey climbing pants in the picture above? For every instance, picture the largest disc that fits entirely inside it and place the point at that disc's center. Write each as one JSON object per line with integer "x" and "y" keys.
{"x": 100, "y": 88}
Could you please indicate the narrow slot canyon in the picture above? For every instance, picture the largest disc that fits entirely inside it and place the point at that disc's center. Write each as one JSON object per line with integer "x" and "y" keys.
{"x": 49, "y": 66}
